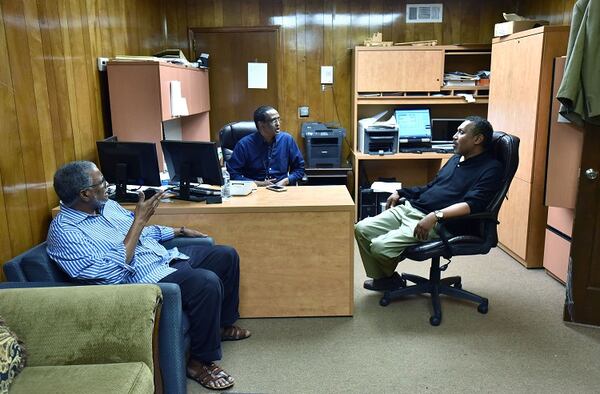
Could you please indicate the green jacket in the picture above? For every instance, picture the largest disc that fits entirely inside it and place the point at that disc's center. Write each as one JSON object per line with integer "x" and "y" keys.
{"x": 579, "y": 92}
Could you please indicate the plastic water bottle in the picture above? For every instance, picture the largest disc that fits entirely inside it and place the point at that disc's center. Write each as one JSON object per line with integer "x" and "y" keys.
{"x": 226, "y": 188}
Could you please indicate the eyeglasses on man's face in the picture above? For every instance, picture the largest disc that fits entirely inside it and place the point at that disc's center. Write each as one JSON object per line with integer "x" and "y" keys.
{"x": 102, "y": 184}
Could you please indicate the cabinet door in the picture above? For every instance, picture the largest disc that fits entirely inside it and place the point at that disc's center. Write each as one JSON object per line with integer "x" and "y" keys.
{"x": 564, "y": 152}
{"x": 399, "y": 70}
{"x": 514, "y": 94}
{"x": 198, "y": 100}
{"x": 514, "y": 218}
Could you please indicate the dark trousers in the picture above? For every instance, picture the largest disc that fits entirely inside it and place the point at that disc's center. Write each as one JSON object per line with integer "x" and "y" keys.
{"x": 209, "y": 283}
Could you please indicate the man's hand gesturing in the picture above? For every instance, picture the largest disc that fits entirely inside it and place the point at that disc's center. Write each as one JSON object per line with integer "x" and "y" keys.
{"x": 145, "y": 208}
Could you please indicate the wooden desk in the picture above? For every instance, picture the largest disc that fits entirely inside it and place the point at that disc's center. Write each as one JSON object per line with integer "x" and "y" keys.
{"x": 296, "y": 248}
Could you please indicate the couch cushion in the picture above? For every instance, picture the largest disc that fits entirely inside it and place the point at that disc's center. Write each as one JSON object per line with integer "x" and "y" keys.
{"x": 90, "y": 379}
{"x": 12, "y": 356}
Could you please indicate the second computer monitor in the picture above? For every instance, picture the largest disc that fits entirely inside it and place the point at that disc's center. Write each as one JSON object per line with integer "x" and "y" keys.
{"x": 128, "y": 163}
{"x": 414, "y": 125}
{"x": 192, "y": 162}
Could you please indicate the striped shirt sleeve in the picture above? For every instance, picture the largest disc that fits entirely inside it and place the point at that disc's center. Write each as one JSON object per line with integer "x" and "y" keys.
{"x": 94, "y": 266}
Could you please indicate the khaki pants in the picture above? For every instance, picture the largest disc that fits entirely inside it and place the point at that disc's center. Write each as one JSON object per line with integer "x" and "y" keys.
{"x": 382, "y": 239}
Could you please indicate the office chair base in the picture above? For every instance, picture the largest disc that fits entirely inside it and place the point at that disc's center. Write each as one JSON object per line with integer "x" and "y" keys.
{"x": 435, "y": 286}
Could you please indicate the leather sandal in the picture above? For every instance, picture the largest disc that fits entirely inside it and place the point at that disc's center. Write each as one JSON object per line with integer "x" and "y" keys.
{"x": 209, "y": 375}
{"x": 234, "y": 333}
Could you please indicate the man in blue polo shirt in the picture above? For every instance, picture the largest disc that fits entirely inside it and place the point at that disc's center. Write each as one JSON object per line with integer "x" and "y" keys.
{"x": 268, "y": 157}
{"x": 465, "y": 185}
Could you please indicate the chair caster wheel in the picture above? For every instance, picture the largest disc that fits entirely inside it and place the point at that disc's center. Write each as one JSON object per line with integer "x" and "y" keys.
{"x": 483, "y": 307}
{"x": 435, "y": 320}
{"x": 384, "y": 301}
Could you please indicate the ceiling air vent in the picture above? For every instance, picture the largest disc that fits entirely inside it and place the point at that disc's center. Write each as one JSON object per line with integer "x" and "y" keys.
{"x": 424, "y": 13}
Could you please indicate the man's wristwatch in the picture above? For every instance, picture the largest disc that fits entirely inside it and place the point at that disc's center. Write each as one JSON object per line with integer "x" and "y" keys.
{"x": 181, "y": 231}
{"x": 439, "y": 215}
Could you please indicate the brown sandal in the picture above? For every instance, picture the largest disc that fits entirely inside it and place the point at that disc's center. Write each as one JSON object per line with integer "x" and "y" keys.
{"x": 209, "y": 375}
{"x": 234, "y": 333}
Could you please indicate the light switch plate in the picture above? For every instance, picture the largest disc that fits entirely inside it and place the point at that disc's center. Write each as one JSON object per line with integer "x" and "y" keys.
{"x": 303, "y": 112}
{"x": 326, "y": 75}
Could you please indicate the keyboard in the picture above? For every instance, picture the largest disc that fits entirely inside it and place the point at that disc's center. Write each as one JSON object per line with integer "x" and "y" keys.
{"x": 199, "y": 191}
{"x": 424, "y": 149}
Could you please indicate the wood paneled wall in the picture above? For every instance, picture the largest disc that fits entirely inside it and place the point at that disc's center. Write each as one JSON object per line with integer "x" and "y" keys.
{"x": 50, "y": 102}
{"x": 316, "y": 33}
{"x": 557, "y": 12}
{"x": 50, "y": 90}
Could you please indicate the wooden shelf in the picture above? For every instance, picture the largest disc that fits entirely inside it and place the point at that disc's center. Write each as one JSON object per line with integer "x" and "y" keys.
{"x": 429, "y": 100}
{"x": 449, "y": 53}
{"x": 403, "y": 156}
{"x": 390, "y": 78}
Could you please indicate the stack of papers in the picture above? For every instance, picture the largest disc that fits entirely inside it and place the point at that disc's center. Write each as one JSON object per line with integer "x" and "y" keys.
{"x": 386, "y": 187}
{"x": 458, "y": 78}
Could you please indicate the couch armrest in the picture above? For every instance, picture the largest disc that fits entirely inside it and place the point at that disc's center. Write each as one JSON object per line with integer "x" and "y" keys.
{"x": 171, "y": 341}
{"x": 185, "y": 241}
{"x": 83, "y": 324}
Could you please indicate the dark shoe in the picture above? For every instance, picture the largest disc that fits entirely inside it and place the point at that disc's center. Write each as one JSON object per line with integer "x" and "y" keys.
{"x": 209, "y": 375}
{"x": 234, "y": 333}
{"x": 383, "y": 284}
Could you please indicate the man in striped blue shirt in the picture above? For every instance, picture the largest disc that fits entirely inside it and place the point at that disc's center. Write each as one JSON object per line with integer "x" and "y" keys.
{"x": 96, "y": 241}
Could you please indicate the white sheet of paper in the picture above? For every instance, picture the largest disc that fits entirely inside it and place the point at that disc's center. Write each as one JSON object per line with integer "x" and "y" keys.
{"x": 257, "y": 75}
{"x": 178, "y": 103}
{"x": 388, "y": 187}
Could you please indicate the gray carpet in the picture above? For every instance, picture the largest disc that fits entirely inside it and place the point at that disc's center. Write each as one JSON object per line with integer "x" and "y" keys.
{"x": 521, "y": 345}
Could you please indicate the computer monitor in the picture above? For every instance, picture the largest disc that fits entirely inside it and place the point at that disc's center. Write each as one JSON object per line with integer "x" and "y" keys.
{"x": 414, "y": 125}
{"x": 192, "y": 162}
{"x": 128, "y": 163}
{"x": 443, "y": 129}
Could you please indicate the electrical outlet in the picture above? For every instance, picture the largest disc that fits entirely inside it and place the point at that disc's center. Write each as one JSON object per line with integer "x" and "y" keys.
{"x": 303, "y": 112}
{"x": 102, "y": 62}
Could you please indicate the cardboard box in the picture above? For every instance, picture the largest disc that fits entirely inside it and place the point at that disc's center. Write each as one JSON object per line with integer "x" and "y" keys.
{"x": 505, "y": 28}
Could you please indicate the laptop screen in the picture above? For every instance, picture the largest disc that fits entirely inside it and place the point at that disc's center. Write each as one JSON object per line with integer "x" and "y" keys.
{"x": 413, "y": 124}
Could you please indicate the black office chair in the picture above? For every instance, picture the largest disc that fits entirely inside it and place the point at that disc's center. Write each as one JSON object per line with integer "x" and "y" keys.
{"x": 231, "y": 133}
{"x": 505, "y": 148}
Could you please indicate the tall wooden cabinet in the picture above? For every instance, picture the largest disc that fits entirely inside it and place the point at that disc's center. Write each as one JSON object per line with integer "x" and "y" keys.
{"x": 519, "y": 104}
{"x": 390, "y": 78}
{"x": 140, "y": 101}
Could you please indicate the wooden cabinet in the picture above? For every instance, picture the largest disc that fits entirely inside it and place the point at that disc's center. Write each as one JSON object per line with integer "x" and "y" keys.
{"x": 390, "y": 78}
{"x": 140, "y": 102}
{"x": 519, "y": 104}
{"x": 562, "y": 177}
{"x": 383, "y": 69}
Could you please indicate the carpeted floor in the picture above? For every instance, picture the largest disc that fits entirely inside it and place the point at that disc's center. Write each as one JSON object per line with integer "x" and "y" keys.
{"x": 521, "y": 345}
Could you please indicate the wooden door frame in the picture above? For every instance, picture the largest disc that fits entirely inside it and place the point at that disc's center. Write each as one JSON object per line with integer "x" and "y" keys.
{"x": 245, "y": 29}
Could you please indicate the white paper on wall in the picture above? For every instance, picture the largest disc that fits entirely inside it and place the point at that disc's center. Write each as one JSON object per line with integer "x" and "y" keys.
{"x": 257, "y": 75}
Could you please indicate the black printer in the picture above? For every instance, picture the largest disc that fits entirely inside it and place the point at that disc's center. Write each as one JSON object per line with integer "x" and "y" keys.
{"x": 323, "y": 144}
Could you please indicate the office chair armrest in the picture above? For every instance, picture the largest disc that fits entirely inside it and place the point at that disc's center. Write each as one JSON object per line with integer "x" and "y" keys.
{"x": 445, "y": 235}
{"x": 472, "y": 216}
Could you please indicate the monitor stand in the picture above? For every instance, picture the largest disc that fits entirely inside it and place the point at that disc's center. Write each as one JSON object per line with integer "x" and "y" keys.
{"x": 183, "y": 193}
{"x": 122, "y": 195}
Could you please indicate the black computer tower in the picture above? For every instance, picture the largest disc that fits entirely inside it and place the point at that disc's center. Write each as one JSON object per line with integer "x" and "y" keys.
{"x": 371, "y": 203}
{"x": 368, "y": 203}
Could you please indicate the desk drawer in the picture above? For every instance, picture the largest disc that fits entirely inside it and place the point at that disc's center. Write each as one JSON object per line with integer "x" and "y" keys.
{"x": 556, "y": 255}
